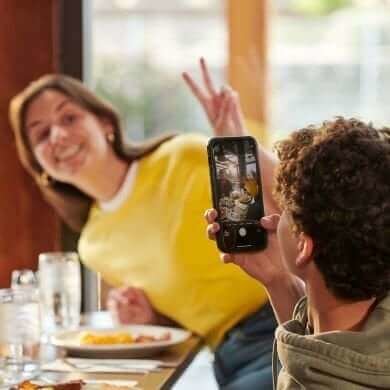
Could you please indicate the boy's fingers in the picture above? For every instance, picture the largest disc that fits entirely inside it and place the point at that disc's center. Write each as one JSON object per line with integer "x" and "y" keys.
{"x": 212, "y": 229}
{"x": 226, "y": 257}
{"x": 211, "y": 215}
{"x": 270, "y": 222}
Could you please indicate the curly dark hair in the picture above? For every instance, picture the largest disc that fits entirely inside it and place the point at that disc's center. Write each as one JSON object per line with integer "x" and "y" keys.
{"x": 334, "y": 181}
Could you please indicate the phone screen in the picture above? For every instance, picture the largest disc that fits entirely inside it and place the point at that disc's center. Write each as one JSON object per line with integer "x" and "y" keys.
{"x": 237, "y": 192}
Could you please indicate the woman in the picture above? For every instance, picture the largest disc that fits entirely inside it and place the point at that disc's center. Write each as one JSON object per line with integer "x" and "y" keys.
{"x": 137, "y": 208}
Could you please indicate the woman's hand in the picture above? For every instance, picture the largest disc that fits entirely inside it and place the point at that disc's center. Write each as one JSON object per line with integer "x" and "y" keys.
{"x": 223, "y": 110}
{"x": 222, "y": 106}
{"x": 130, "y": 305}
{"x": 266, "y": 266}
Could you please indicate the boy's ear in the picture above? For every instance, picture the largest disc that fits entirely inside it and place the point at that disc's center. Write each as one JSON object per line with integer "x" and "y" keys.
{"x": 305, "y": 250}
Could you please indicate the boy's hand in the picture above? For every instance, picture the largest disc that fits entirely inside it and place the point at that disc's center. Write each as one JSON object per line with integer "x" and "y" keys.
{"x": 265, "y": 266}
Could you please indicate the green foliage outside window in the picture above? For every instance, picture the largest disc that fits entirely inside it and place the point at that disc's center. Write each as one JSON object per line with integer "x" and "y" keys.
{"x": 319, "y": 7}
{"x": 150, "y": 100}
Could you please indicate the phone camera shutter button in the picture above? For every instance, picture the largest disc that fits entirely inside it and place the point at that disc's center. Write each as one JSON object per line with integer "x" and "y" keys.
{"x": 242, "y": 231}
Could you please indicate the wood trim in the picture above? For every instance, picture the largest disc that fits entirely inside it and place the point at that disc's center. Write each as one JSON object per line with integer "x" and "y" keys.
{"x": 68, "y": 59}
{"x": 69, "y": 48}
{"x": 28, "y": 225}
{"x": 247, "y": 68}
{"x": 68, "y": 20}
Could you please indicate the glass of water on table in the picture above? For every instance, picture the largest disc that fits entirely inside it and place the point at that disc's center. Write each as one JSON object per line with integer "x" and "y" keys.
{"x": 59, "y": 291}
{"x": 19, "y": 334}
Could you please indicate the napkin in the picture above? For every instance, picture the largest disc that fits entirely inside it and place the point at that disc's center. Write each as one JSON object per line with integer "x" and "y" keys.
{"x": 135, "y": 366}
{"x": 93, "y": 384}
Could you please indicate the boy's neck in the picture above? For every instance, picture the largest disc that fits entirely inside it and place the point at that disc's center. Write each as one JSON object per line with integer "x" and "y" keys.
{"x": 328, "y": 313}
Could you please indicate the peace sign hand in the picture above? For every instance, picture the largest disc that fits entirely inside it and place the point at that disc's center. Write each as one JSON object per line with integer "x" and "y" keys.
{"x": 222, "y": 107}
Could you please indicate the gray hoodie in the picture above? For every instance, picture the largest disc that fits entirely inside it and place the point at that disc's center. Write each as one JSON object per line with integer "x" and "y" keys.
{"x": 337, "y": 360}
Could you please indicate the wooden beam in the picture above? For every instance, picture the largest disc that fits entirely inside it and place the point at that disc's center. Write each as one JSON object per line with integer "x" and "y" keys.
{"x": 28, "y": 42}
{"x": 247, "y": 69}
{"x": 69, "y": 47}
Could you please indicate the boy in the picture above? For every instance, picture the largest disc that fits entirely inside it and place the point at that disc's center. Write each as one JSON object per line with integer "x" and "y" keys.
{"x": 333, "y": 185}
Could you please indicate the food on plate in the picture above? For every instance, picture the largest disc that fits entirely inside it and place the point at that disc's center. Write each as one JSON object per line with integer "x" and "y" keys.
{"x": 108, "y": 338}
{"x": 143, "y": 338}
{"x": 93, "y": 338}
{"x": 70, "y": 385}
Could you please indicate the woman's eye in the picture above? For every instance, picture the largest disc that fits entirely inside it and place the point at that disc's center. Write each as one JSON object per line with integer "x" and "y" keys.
{"x": 42, "y": 135}
{"x": 68, "y": 119}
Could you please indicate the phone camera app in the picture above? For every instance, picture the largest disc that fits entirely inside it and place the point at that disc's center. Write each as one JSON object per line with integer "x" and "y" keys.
{"x": 237, "y": 183}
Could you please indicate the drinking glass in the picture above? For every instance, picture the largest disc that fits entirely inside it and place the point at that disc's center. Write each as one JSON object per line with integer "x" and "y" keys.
{"x": 19, "y": 334}
{"x": 23, "y": 278}
{"x": 59, "y": 290}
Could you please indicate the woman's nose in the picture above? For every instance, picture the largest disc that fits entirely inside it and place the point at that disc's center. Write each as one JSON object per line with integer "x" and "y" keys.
{"x": 58, "y": 134}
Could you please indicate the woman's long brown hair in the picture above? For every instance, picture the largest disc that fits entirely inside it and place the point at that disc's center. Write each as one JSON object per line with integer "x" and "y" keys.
{"x": 69, "y": 202}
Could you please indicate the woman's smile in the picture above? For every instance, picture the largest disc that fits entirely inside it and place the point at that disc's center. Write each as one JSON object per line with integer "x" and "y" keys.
{"x": 69, "y": 158}
{"x": 68, "y": 153}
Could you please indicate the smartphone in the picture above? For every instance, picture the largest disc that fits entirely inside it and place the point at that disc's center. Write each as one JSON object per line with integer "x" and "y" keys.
{"x": 237, "y": 193}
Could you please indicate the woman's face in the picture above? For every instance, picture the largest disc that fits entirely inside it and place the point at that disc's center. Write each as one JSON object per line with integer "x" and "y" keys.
{"x": 68, "y": 141}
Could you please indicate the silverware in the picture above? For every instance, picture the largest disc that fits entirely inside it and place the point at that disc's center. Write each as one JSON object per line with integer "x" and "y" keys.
{"x": 123, "y": 363}
{"x": 46, "y": 380}
{"x": 133, "y": 369}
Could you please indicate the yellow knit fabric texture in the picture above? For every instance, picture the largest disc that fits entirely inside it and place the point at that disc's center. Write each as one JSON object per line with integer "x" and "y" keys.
{"x": 156, "y": 241}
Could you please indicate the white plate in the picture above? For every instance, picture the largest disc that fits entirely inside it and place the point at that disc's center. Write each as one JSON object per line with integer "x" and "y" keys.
{"x": 69, "y": 340}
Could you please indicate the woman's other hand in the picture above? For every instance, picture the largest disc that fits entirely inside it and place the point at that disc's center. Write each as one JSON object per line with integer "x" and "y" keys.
{"x": 222, "y": 106}
{"x": 130, "y": 305}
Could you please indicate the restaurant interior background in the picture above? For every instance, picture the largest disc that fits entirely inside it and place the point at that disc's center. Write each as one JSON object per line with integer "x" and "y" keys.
{"x": 294, "y": 62}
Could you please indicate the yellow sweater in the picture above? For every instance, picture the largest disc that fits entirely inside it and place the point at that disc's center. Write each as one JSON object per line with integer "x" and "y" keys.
{"x": 156, "y": 241}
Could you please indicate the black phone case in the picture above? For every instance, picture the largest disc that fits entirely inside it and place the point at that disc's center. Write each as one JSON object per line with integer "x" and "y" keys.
{"x": 222, "y": 243}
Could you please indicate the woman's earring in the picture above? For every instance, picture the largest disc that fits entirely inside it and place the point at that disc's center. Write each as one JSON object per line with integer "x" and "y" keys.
{"x": 110, "y": 137}
{"x": 45, "y": 179}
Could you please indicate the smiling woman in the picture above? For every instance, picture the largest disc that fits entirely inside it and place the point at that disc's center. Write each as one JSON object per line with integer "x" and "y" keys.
{"x": 139, "y": 208}
{"x": 70, "y": 143}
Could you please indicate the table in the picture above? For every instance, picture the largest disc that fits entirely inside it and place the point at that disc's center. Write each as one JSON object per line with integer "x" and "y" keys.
{"x": 181, "y": 355}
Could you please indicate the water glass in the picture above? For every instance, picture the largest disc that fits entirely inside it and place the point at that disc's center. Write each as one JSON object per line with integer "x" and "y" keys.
{"x": 59, "y": 290}
{"x": 23, "y": 278}
{"x": 19, "y": 334}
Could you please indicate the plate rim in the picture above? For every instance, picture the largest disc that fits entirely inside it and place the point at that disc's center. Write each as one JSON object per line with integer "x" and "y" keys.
{"x": 56, "y": 340}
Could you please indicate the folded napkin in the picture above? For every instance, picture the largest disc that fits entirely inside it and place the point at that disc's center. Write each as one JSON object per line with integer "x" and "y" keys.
{"x": 135, "y": 366}
{"x": 97, "y": 384}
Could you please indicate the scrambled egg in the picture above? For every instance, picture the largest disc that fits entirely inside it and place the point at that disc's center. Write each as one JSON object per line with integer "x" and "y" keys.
{"x": 95, "y": 338}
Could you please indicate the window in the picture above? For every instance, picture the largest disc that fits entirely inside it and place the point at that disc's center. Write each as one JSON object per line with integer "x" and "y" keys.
{"x": 140, "y": 48}
{"x": 329, "y": 57}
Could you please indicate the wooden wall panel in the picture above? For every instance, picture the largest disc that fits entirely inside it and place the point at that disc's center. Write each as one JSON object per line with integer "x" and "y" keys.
{"x": 247, "y": 70}
{"x": 28, "y": 39}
